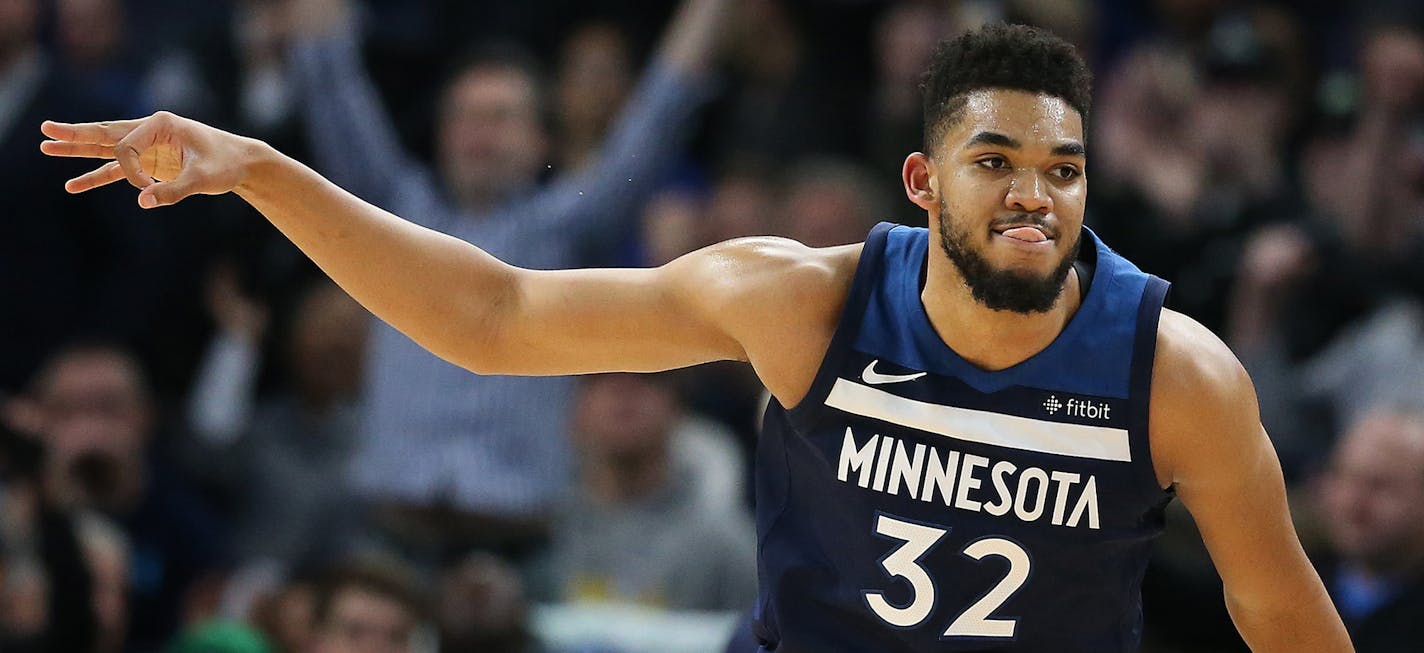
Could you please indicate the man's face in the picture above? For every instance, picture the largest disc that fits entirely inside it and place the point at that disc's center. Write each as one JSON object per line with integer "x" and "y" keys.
{"x": 1009, "y": 175}
{"x": 622, "y": 415}
{"x": 363, "y": 622}
{"x": 93, "y": 402}
{"x": 1374, "y": 492}
{"x": 491, "y": 140}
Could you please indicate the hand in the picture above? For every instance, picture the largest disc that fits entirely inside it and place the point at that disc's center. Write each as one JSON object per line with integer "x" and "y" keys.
{"x": 1276, "y": 260}
{"x": 167, "y": 157}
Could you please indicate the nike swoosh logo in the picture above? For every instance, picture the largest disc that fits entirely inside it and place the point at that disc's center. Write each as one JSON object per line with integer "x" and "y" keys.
{"x": 875, "y": 378}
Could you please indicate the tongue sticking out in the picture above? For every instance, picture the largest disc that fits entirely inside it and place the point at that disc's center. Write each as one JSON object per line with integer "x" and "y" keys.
{"x": 1026, "y": 234}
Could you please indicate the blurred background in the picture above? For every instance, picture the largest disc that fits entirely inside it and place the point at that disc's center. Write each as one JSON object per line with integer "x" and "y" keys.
{"x": 208, "y": 447}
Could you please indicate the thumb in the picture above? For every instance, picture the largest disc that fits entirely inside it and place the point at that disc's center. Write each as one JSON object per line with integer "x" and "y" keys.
{"x": 165, "y": 193}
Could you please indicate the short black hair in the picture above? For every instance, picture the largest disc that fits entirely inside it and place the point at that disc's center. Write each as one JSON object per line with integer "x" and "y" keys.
{"x": 1000, "y": 55}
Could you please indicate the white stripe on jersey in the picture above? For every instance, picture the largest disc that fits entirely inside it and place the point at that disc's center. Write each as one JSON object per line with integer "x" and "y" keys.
{"x": 1078, "y": 440}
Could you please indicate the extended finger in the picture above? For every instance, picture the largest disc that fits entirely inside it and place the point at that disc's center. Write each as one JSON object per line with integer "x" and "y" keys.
{"x": 84, "y": 150}
{"x": 94, "y": 133}
{"x": 103, "y": 175}
{"x": 129, "y": 148}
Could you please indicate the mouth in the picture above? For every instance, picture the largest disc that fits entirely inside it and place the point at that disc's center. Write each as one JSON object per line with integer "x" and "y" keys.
{"x": 1026, "y": 234}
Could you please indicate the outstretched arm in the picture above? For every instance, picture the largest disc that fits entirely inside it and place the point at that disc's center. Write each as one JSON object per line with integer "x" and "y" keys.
{"x": 651, "y": 131}
{"x": 1207, "y": 440}
{"x": 353, "y": 139}
{"x": 465, "y": 305}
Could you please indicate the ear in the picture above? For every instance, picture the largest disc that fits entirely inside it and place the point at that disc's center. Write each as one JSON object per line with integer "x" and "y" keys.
{"x": 920, "y": 185}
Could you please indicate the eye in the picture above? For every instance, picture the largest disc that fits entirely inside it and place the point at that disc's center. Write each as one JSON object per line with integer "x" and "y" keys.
{"x": 993, "y": 162}
{"x": 1066, "y": 173}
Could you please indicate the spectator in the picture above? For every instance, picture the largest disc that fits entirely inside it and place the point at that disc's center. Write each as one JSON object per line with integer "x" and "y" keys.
{"x": 1373, "y": 502}
{"x": 286, "y": 455}
{"x": 594, "y": 76}
{"x": 1322, "y": 309}
{"x": 367, "y": 606}
{"x": 1216, "y": 123}
{"x": 98, "y": 422}
{"x": 905, "y": 37}
{"x": 742, "y": 202}
{"x": 46, "y": 602}
{"x": 106, "y": 551}
{"x": 93, "y": 48}
{"x": 780, "y": 106}
{"x": 670, "y": 225}
{"x": 286, "y": 618}
{"x": 456, "y": 460}
{"x": 655, "y": 520}
{"x": 68, "y": 266}
{"x": 24, "y": 604}
{"x": 832, "y": 202}
{"x": 483, "y": 607}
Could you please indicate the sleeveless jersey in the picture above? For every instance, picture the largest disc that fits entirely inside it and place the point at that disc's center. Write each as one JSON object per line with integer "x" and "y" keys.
{"x": 915, "y": 502}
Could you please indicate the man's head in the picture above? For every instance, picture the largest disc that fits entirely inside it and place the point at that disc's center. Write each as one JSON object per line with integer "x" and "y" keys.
{"x": 95, "y": 415}
{"x": 491, "y": 136}
{"x": 1002, "y": 175}
{"x": 482, "y": 606}
{"x": 830, "y": 202}
{"x": 625, "y": 416}
{"x": 327, "y": 344}
{"x": 19, "y": 22}
{"x": 369, "y": 606}
{"x": 1373, "y": 493}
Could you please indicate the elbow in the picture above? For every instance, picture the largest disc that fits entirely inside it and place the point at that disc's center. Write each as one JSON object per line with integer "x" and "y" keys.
{"x": 479, "y": 337}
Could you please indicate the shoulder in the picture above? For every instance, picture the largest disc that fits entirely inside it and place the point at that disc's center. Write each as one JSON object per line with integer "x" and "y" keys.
{"x": 1192, "y": 358}
{"x": 780, "y": 299}
{"x": 1203, "y": 402}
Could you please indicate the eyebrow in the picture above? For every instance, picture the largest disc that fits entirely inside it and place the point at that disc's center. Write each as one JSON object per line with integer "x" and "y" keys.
{"x": 992, "y": 138}
{"x": 1071, "y": 148}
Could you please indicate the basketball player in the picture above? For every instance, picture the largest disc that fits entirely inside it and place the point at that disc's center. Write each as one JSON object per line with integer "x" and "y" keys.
{"x": 975, "y": 426}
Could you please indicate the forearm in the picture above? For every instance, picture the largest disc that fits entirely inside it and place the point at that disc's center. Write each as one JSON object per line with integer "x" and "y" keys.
{"x": 220, "y": 406}
{"x": 442, "y": 292}
{"x": 1299, "y": 618}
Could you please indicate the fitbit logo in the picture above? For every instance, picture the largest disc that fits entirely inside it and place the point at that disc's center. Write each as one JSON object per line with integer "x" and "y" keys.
{"x": 1075, "y": 407}
{"x": 1051, "y": 404}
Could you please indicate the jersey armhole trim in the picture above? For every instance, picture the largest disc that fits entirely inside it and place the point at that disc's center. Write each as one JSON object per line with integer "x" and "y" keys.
{"x": 1144, "y": 354}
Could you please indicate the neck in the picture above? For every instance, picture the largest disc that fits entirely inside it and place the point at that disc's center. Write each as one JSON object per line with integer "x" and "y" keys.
{"x": 618, "y": 479}
{"x": 991, "y": 340}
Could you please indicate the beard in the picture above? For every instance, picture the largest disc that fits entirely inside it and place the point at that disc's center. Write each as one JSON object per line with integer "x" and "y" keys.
{"x": 996, "y": 289}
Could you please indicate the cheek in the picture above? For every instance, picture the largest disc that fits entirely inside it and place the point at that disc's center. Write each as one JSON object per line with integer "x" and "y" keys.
{"x": 1069, "y": 203}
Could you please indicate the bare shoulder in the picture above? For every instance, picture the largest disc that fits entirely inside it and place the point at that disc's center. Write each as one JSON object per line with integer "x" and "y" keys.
{"x": 748, "y": 272}
{"x": 777, "y": 297}
{"x": 1202, "y": 399}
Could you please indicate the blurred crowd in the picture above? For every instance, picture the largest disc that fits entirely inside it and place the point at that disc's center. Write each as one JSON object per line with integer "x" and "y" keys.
{"x": 206, "y": 446}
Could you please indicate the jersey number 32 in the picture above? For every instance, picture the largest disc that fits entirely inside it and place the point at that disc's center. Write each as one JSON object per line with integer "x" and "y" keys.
{"x": 904, "y": 562}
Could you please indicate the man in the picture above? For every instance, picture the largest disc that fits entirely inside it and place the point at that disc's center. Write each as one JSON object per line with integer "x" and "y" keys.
{"x": 1021, "y": 362}
{"x": 367, "y": 606}
{"x": 466, "y": 460}
{"x": 1373, "y": 504}
{"x": 95, "y": 414}
{"x": 654, "y": 519}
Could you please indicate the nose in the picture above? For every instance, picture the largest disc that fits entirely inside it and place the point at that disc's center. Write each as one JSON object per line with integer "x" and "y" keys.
{"x": 1028, "y": 192}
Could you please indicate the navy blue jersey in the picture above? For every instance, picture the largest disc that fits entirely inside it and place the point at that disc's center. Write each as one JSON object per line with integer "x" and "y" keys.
{"x": 915, "y": 502}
